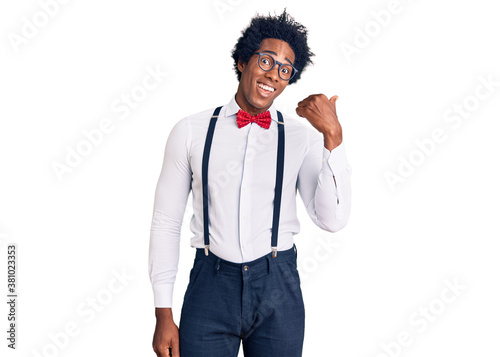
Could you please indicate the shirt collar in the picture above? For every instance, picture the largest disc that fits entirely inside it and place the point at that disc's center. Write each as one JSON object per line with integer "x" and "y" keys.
{"x": 232, "y": 108}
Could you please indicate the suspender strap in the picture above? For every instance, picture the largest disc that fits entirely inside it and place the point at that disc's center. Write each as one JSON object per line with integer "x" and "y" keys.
{"x": 204, "y": 174}
{"x": 279, "y": 183}
{"x": 278, "y": 186}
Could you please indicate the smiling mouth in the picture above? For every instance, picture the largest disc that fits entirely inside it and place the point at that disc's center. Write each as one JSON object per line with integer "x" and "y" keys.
{"x": 265, "y": 88}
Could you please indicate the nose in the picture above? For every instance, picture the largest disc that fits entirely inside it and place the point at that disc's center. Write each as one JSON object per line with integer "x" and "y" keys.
{"x": 273, "y": 74}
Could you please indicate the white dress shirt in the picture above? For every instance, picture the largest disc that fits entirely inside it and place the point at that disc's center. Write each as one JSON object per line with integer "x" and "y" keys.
{"x": 241, "y": 181}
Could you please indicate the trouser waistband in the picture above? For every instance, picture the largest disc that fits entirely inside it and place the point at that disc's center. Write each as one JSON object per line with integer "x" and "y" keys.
{"x": 258, "y": 264}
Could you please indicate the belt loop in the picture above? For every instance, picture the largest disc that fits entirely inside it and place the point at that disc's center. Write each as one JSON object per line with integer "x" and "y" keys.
{"x": 268, "y": 264}
{"x": 217, "y": 266}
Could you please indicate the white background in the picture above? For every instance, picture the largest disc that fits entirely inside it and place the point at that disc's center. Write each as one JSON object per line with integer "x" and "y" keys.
{"x": 401, "y": 244}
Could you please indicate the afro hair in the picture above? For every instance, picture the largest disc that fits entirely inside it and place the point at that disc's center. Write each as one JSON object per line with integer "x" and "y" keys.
{"x": 282, "y": 27}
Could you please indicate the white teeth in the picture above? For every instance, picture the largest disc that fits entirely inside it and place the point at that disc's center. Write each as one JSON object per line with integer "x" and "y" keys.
{"x": 263, "y": 86}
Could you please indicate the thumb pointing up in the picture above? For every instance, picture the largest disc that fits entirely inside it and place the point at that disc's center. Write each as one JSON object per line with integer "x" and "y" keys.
{"x": 333, "y": 100}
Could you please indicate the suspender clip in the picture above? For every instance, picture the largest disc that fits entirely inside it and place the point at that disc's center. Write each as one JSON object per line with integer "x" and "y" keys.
{"x": 275, "y": 251}
{"x": 206, "y": 250}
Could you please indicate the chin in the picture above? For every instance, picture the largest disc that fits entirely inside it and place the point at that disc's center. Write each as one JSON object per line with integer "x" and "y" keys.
{"x": 261, "y": 103}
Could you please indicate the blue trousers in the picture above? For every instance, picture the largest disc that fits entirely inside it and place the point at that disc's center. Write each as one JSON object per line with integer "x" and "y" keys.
{"x": 258, "y": 304}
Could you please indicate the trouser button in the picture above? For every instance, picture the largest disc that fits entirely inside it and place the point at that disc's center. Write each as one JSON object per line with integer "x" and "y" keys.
{"x": 245, "y": 268}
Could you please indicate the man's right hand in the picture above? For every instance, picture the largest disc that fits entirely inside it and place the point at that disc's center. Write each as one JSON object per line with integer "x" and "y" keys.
{"x": 166, "y": 333}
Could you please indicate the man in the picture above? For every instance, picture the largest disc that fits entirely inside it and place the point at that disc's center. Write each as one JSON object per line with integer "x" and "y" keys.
{"x": 244, "y": 286}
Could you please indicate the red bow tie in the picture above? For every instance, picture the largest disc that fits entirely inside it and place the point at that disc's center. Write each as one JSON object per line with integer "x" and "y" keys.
{"x": 263, "y": 119}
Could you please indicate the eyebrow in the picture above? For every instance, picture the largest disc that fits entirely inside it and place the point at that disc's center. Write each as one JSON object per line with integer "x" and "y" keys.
{"x": 274, "y": 53}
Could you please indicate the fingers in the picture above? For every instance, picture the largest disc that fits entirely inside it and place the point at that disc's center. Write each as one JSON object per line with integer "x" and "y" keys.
{"x": 311, "y": 98}
{"x": 166, "y": 339}
{"x": 311, "y": 101}
{"x": 317, "y": 98}
{"x": 316, "y": 103}
{"x": 298, "y": 110}
{"x": 306, "y": 99}
{"x": 163, "y": 351}
{"x": 303, "y": 103}
{"x": 175, "y": 348}
{"x": 166, "y": 351}
{"x": 302, "y": 111}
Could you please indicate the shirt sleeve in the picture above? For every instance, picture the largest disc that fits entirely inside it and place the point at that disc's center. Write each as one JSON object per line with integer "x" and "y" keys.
{"x": 324, "y": 184}
{"x": 172, "y": 191}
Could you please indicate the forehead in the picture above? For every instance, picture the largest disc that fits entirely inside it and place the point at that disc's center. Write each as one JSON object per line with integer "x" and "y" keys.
{"x": 280, "y": 47}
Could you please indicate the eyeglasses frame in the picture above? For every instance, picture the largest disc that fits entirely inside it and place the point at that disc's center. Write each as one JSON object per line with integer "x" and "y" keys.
{"x": 275, "y": 63}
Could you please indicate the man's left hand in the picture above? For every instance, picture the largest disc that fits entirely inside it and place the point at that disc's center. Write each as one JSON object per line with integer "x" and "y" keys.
{"x": 322, "y": 114}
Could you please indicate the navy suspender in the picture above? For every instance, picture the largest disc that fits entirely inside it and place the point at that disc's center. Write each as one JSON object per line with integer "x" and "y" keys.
{"x": 204, "y": 174}
{"x": 279, "y": 183}
{"x": 278, "y": 186}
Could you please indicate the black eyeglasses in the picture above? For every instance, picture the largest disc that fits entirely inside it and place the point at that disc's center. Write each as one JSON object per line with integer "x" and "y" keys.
{"x": 267, "y": 62}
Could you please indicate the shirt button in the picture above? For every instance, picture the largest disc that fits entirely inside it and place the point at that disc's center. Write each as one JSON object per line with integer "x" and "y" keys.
{"x": 245, "y": 268}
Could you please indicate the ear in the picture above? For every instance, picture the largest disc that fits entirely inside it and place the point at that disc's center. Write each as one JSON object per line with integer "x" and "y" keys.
{"x": 241, "y": 66}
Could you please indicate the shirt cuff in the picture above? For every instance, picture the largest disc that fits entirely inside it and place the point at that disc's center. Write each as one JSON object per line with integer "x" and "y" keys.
{"x": 335, "y": 160}
{"x": 163, "y": 295}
